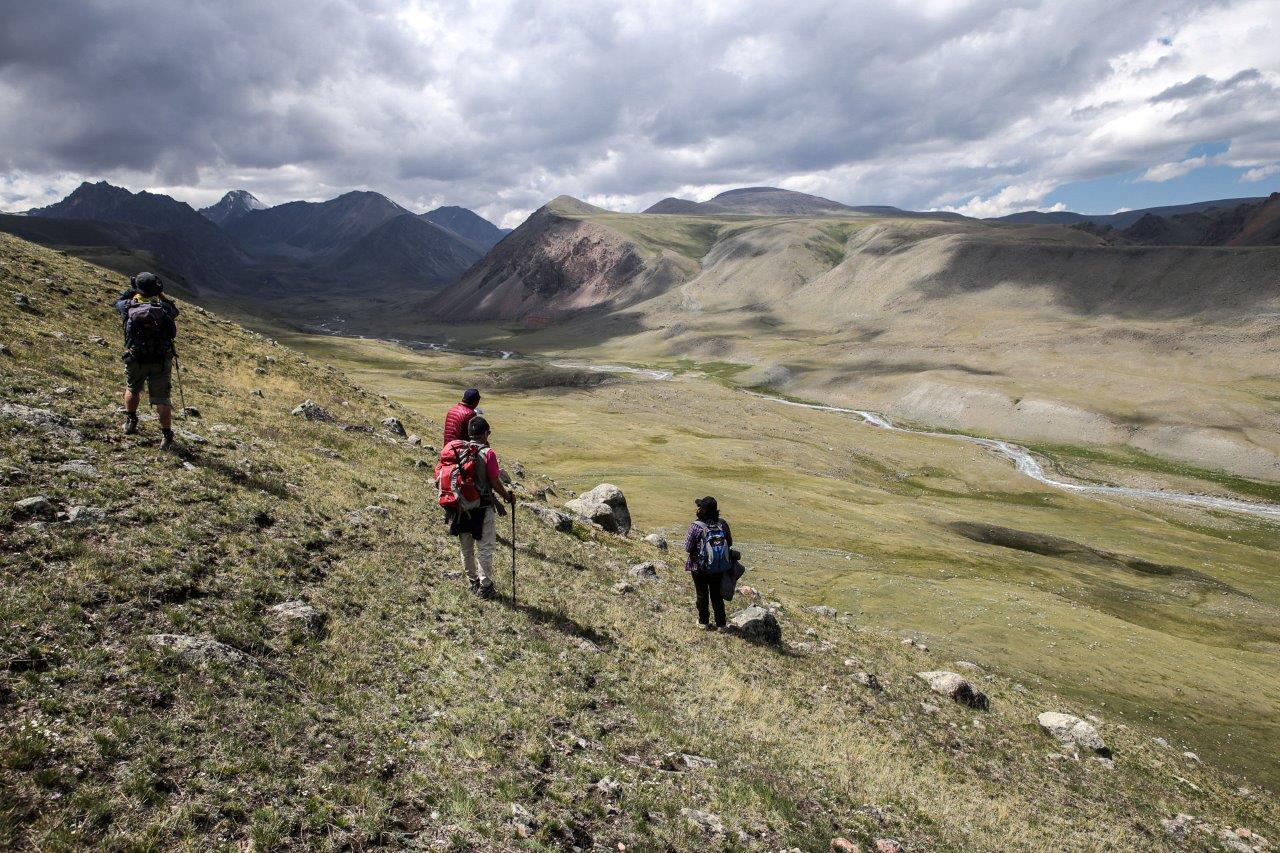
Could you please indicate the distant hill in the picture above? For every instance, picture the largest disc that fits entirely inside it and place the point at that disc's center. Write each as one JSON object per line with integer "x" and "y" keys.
{"x": 409, "y": 250}
{"x": 175, "y": 233}
{"x": 773, "y": 201}
{"x": 468, "y": 225}
{"x": 1122, "y": 219}
{"x": 233, "y": 205}
{"x": 1231, "y": 222}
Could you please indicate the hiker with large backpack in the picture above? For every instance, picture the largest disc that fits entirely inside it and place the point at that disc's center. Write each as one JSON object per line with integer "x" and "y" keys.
{"x": 707, "y": 548}
{"x": 150, "y": 327}
{"x": 457, "y": 418}
{"x": 468, "y": 478}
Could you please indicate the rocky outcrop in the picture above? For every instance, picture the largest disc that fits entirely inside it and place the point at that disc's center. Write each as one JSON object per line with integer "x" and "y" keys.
{"x": 45, "y": 420}
{"x": 957, "y": 688}
{"x": 297, "y": 615}
{"x": 197, "y": 650}
{"x": 604, "y": 506}
{"x": 551, "y": 517}
{"x": 1073, "y": 732}
{"x": 312, "y": 411}
{"x": 394, "y": 427}
{"x": 657, "y": 540}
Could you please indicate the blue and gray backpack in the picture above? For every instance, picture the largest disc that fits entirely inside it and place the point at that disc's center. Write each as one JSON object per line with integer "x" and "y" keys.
{"x": 714, "y": 558}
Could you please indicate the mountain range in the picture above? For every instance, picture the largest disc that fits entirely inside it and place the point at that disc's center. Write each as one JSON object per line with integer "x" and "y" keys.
{"x": 772, "y": 201}
{"x": 360, "y": 242}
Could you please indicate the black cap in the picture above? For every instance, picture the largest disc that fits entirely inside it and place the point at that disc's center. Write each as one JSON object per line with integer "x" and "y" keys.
{"x": 147, "y": 284}
{"x": 471, "y": 396}
{"x": 708, "y": 503}
{"x": 477, "y": 426}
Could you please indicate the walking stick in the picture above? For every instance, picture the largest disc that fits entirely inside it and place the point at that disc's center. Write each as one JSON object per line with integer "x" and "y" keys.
{"x": 177, "y": 369}
{"x": 513, "y": 552}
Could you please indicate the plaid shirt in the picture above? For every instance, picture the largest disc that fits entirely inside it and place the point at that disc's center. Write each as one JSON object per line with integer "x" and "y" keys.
{"x": 693, "y": 544}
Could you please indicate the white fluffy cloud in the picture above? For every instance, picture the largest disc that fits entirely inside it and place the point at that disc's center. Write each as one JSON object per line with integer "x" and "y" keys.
{"x": 1169, "y": 171}
{"x": 981, "y": 105}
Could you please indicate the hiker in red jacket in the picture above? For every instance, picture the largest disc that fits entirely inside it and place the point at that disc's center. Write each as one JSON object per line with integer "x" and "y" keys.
{"x": 455, "y": 422}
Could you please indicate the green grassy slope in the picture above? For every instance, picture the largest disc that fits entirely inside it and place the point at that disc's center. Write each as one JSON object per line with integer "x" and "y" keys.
{"x": 420, "y": 716}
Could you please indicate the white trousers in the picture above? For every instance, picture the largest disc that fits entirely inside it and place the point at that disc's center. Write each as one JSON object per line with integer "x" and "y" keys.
{"x": 483, "y": 573}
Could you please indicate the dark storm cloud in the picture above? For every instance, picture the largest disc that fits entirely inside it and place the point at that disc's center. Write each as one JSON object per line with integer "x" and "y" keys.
{"x": 500, "y": 105}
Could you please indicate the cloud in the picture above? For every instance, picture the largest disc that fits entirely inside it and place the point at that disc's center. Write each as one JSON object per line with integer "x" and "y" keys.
{"x": 504, "y": 104}
{"x": 1169, "y": 171}
{"x": 1259, "y": 173}
{"x": 1011, "y": 199}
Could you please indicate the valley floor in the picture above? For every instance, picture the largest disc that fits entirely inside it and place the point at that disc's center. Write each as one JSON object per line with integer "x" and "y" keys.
{"x": 1156, "y": 612}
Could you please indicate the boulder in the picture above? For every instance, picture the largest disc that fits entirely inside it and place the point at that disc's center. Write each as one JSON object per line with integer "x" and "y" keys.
{"x": 394, "y": 427}
{"x": 868, "y": 681}
{"x": 657, "y": 540}
{"x": 415, "y": 440}
{"x": 299, "y": 615}
{"x": 844, "y": 845}
{"x": 195, "y": 649}
{"x": 35, "y": 507}
{"x": 756, "y": 623}
{"x": 551, "y": 517}
{"x": 1073, "y": 732}
{"x": 312, "y": 411}
{"x": 84, "y": 514}
{"x": 957, "y": 688}
{"x": 605, "y": 506}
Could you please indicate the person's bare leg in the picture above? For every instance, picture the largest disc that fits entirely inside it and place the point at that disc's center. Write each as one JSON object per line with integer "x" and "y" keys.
{"x": 165, "y": 414}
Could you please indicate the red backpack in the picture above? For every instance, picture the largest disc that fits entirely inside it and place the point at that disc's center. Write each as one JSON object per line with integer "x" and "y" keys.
{"x": 459, "y": 475}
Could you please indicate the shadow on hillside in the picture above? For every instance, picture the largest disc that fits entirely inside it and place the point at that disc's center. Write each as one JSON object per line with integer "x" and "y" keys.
{"x": 560, "y": 621}
{"x": 233, "y": 474}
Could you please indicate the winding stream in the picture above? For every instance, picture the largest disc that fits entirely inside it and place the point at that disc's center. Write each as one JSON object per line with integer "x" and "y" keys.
{"x": 1028, "y": 465}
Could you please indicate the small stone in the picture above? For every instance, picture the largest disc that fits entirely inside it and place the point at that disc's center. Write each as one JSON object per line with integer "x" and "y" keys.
{"x": 1159, "y": 741}
{"x": 22, "y": 301}
{"x": 705, "y": 822}
{"x": 299, "y": 614}
{"x": 376, "y": 510}
{"x": 888, "y": 845}
{"x": 622, "y": 588}
{"x": 609, "y": 787}
{"x": 256, "y": 392}
{"x": 957, "y": 688}
{"x": 757, "y": 624}
{"x": 84, "y": 514}
{"x": 657, "y": 540}
{"x": 98, "y": 340}
{"x": 83, "y": 467}
{"x": 844, "y": 845}
{"x": 1073, "y": 732}
{"x": 394, "y": 426}
{"x": 823, "y": 610}
{"x": 4, "y": 350}
{"x": 191, "y": 412}
{"x": 680, "y": 762}
{"x": 190, "y": 437}
{"x": 1191, "y": 756}
{"x": 644, "y": 571}
{"x": 929, "y": 708}
{"x": 415, "y": 440}
{"x": 35, "y": 507}
{"x": 260, "y": 371}
{"x": 312, "y": 411}
{"x": 969, "y": 665}
{"x": 868, "y": 681}
{"x": 195, "y": 649}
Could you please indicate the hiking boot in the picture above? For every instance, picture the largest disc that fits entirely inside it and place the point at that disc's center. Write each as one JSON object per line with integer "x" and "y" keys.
{"x": 487, "y": 591}
{"x": 711, "y": 627}
{"x": 167, "y": 442}
{"x": 130, "y": 423}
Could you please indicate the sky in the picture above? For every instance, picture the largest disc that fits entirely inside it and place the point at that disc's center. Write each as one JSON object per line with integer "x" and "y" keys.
{"x": 977, "y": 106}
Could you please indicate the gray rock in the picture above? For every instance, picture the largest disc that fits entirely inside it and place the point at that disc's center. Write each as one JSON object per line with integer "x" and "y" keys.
{"x": 823, "y": 610}
{"x": 298, "y": 614}
{"x": 887, "y": 845}
{"x": 551, "y": 517}
{"x": 376, "y": 510}
{"x": 622, "y": 588}
{"x": 415, "y": 440}
{"x": 47, "y": 421}
{"x": 312, "y": 411}
{"x": 256, "y": 392}
{"x": 680, "y": 762}
{"x": 35, "y": 507}
{"x": 609, "y": 787}
{"x": 190, "y": 437}
{"x": 22, "y": 301}
{"x": 605, "y": 506}
{"x": 85, "y": 514}
{"x": 929, "y": 708}
{"x": 1073, "y": 732}
{"x": 969, "y": 665}
{"x": 757, "y": 624}
{"x": 83, "y": 467}
{"x": 394, "y": 426}
{"x": 957, "y": 688}
{"x": 704, "y": 822}
{"x": 4, "y": 350}
{"x": 98, "y": 340}
{"x": 191, "y": 412}
{"x": 657, "y": 540}
{"x": 195, "y": 649}
{"x": 643, "y": 571}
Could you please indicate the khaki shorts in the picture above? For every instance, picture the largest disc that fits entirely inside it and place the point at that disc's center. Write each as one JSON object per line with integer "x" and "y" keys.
{"x": 156, "y": 375}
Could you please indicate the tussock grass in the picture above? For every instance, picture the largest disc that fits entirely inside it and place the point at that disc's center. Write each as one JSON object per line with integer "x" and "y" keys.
{"x": 421, "y": 714}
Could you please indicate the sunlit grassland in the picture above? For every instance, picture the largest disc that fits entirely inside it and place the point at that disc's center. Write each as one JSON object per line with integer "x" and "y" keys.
{"x": 835, "y": 512}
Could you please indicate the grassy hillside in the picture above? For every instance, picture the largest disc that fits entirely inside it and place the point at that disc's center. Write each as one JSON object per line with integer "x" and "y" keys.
{"x": 417, "y": 715}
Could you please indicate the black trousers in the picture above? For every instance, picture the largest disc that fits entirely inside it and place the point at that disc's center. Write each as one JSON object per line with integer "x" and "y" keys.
{"x": 708, "y": 587}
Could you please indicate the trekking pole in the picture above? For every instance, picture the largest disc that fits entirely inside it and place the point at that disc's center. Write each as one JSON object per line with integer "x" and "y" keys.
{"x": 513, "y": 552}
{"x": 177, "y": 369}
